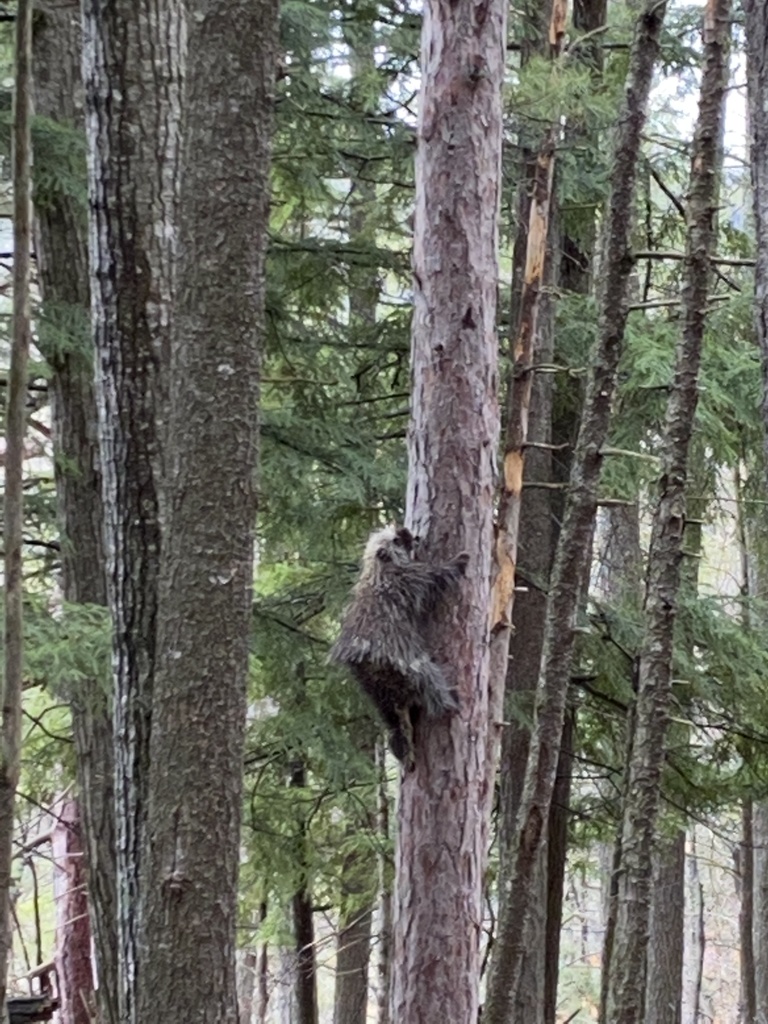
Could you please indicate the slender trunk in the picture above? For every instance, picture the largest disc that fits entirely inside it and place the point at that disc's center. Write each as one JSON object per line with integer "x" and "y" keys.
{"x": 306, "y": 970}
{"x": 629, "y": 962}
{"x": 557, "y": 856}
{"x": 350, "y": 1000}
{"x": 384, "y": 966}
{"x": 571, "y": 564}
{"x": 536, "y": 544}
{"x": 13, "y": 497}
{"x": 756, "y": 35}
{"x": 62, "y": 261}
{"x": 760, "y": 834}
{"x": 746, "y": 875}
{"x": 445, "y": 802}
{"x": 305, "y": 978}
{"x": 73, "y": 936}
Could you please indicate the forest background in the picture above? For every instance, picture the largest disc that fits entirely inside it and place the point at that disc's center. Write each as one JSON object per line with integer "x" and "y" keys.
{"x": 317, "y": 860}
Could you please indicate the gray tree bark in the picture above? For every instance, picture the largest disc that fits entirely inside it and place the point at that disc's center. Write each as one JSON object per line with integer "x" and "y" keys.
{"x": 756, "y": 35}
{"x": 445, "y": 802}
{"x": 191, "y": 856}
{"x": 664, "y": 989}
{"x": 626, "y": 994}
{"x": 571, "y": 564}
{"x": 132, "y": 65}
{"x": 62, "y": 260}
{"x": 760, "y": 837}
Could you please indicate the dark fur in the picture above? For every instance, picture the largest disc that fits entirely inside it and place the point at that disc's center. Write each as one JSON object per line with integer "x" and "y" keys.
{"x": 383, "y": 634}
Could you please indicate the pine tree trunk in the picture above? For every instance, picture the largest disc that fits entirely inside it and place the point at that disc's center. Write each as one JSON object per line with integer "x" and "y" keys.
{"x": 572, "y": 562}
{"x": 13, "y": 467}
{"x": 62, "y": 260}
{"x": 191, "y": 860}
{"x": 445, "y": 802}
{"x": 626, "y": 994}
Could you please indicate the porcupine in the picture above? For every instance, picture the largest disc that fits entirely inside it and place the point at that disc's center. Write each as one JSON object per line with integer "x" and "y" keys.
{"x": 383, "y": 639}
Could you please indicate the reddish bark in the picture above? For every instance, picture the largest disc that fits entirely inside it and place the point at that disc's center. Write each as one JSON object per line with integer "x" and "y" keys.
{"x": 73, "y": 934}
{"x": 444, "y": 802}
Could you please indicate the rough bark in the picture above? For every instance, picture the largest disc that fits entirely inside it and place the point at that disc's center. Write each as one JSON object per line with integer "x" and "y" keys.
{"x": 190, "y": 866}
{"x": 571, "y": 563}
{"x": 520, "y": 385}
{"x": 756, "y": 35}
{"x": 62, "y": 261}
{"x": 13, "y": 494}
{"x": 760, "y": 836}
{"x": 664, "y": 990}
{"x": 350, "y": 1000}
{"x": 746, "y": 875}
{"x": 132, "y": 62}
{"x": 73, "y": 936}
{"x": 626, "y": 994}
{"x": 306, "y": 969}
{"x": 445, "y": 802}
{"x": 536, "y": 539}
{"x": 384, "y": 964}
{"x": 525, "y": 520}
{"x": 557, "y": 857}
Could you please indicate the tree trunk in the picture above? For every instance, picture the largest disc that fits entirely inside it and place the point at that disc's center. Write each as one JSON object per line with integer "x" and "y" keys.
{"x": 664, "y": 990}
{"x": 760, "y": 833}
{"x": 132, "y": 63}
{"x": 557, "y": 856}
{"x": 572, "y": 562}
{"x": 350, "y": 1000}
{"x": 306, "y": 968}
{"x": 191, "y": 859}
{"x": 62, "y": 260}
{"x": 536, "y": 545}
{"x": 304, "y": 1002}
{"x": 445, "y": 802}
{"x": 384, "y": 965}
{"x": 756, "y": 35}
{"x": 73, "y": 936}
{"x": 13, "y": 465}
{"x": 626, "y": 994}
{"x": 746, "y": 876}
